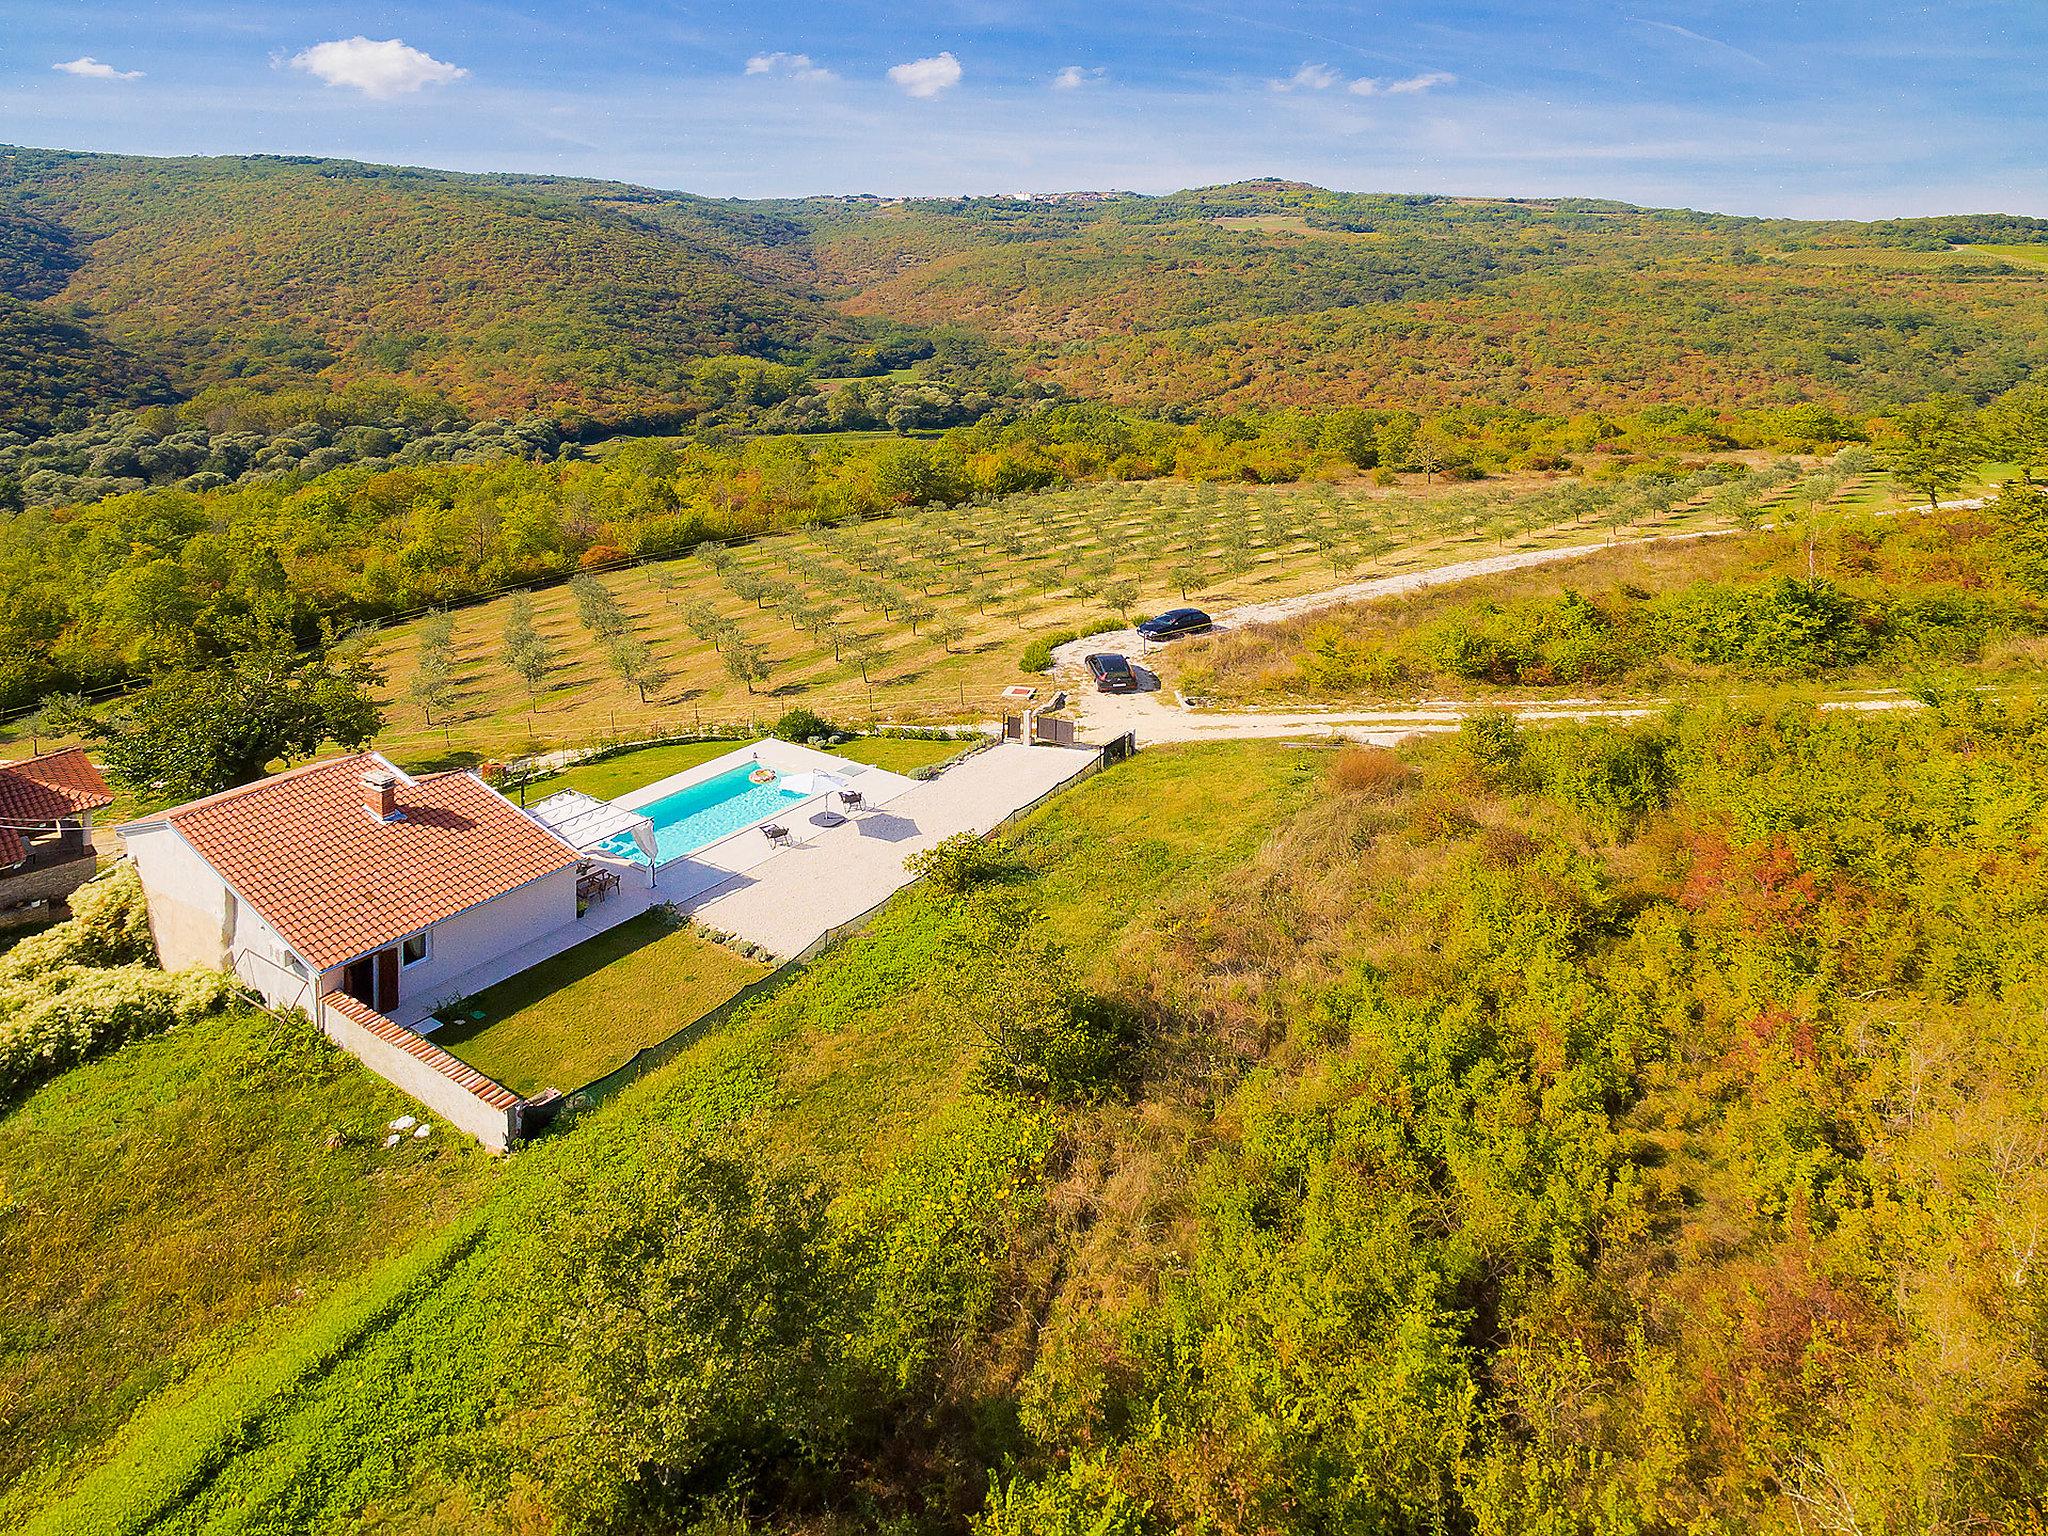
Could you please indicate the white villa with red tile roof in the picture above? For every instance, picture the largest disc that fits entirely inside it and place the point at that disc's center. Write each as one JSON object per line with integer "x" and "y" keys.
{"x": 348, "y": 888}
{"x": 46, "y": 810}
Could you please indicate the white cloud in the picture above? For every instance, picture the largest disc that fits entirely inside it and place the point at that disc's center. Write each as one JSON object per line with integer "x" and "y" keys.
{"x": 380, "y": 69}
{"x": 1310, "y": 77}
{"x": 926, "y": 78}
{"x": 1074, "y": 76}
{"x": 797, "y": 66}
{"x": 92, "y": 69}
{"x": 1415, "y": 85}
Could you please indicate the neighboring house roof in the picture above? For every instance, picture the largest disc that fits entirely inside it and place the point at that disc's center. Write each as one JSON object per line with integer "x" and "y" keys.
{"x": 305, "y": 851}
{"x": 50, "y": 787}
{"x": 12, "y": 849}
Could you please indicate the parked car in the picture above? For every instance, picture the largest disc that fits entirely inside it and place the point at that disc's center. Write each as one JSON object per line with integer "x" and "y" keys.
{"x": 1112, "y": 673}
{"x": 1177, "y": 621}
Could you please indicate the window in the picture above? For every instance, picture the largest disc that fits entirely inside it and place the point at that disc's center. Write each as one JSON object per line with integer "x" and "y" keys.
{"x": 413, "y": 950}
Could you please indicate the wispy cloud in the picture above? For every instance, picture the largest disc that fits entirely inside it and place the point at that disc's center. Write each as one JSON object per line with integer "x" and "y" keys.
{"x": 1075, "y": 76}
{"x": 1310, "y": 77}
{"x": 797, "y": 66}
{"x": 1701, "y": 39}
{"x": 377, "y": 69}
{"x": 91, "y": 68}
{"x": 1413, "y": 85}
{"x": 1320, "y": 77}
{"x": 926, "y": 78}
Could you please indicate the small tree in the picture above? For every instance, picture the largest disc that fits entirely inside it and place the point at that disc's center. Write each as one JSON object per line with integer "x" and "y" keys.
{"x": 745, "y": 662}
{"x": 431, "y": 686}
{"x": 2016, "y": 423}
{"x": 690, "y": 1315}
{"x": 949, "y": 634}
{"x": 634, "y": 660}
{"x": 663, "y": 578}
{"x": 1932, "y": 447}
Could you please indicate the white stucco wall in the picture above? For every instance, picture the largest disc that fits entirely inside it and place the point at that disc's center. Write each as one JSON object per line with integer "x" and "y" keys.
{"x": 482, "y": 934}
{"x": 415, "y": 1072}
{"x": 188, "y": 903}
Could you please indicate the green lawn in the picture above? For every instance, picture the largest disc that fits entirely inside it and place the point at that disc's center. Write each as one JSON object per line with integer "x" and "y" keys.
{"x": 570, "y": 1020}
{"x": 897, "y": 754}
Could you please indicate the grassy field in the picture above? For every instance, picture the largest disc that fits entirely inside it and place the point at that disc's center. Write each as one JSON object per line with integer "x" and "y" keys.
{"x": 925, "y": 616}
{"x": 341, "y": 1426}
{"x": 2018, "y": 255}
{"x": 569, "y": 1020}
{"x": 172, "y": 1200}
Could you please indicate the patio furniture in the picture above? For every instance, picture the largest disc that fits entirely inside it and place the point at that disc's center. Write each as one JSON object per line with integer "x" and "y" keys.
{"x": 852, "y": 799}
{"x": 594, "y": 882}
{"x": 778, "y": 836}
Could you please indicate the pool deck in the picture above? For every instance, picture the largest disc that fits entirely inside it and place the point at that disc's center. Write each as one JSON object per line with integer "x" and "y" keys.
{"x": 786, "y": 899}
{"x": 791, "y": 900}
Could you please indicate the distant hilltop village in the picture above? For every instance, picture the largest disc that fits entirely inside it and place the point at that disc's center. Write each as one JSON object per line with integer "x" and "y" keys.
{"x": 876, "y": 200}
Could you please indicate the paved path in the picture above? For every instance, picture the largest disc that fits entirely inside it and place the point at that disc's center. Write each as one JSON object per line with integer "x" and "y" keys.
{"x": 788, "y": 902}
{"x": 1068, "y": 659}
{"x": 1156, "y": 717}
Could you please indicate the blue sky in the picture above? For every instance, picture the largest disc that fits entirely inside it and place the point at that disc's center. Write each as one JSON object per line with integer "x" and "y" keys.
{"x": 1815, "y": 108}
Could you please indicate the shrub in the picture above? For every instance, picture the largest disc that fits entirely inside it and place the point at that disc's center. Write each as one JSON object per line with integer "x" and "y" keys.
{"x": 1037, "y": 655}
{"x": 1371, "y": 771}
{"x": 109, "y": 925}
{"x": 1616, "y": 775}
{"x": 1081, "y": 1499}
{"x": 958, "y": 864}
{"x": 802, "y": 724}
{"x": 90, "y": 983}
{"x": 58, "y": 1018}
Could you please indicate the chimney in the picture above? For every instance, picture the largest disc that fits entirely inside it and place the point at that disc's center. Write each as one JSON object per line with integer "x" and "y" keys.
{"x": 380, "y": 794}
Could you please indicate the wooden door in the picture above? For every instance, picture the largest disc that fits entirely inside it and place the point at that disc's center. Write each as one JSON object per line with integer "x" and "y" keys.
{"x": 387, "y": 979}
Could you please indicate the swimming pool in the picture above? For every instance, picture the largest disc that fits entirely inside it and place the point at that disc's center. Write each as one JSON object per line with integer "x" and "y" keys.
{"x": 703, "y": 813}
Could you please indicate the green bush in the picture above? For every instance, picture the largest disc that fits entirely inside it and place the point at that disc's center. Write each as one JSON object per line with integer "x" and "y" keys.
{"x": 109, "y": 925}
{"x": 958, "y": 864}
{"x": 1037, "y": 655}
{"x": 59, "y": 1017}
{"x": 90, "y": 983}
{"x": 802, "y": 724}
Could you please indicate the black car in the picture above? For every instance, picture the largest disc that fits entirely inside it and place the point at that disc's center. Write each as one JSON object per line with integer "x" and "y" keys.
{"x": 1112, "y": 673}
{"x": 1179, "y": 621}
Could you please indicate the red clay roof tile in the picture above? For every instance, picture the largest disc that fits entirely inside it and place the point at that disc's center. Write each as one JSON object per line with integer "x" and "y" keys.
{"x": 51, "y": 787}
{"x": 335, "y": 882}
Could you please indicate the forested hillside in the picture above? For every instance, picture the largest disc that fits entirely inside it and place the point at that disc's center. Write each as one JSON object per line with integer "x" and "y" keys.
{"x": 502, "y": 293}
{"x": 1271, "y": 293}
{"x": 580, "y": 299}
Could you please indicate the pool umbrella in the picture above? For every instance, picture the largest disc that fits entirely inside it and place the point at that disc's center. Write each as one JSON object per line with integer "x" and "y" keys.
{"x": 820, "y": 782}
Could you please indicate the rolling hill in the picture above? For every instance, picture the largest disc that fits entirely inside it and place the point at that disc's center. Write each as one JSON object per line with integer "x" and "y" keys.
{"x": 505, "y": 294}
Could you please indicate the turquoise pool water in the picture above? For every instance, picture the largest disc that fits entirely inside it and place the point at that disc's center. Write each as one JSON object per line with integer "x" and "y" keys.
{"x": 703, "y": 813}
